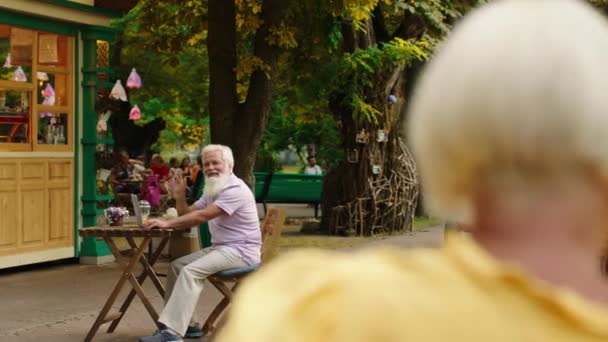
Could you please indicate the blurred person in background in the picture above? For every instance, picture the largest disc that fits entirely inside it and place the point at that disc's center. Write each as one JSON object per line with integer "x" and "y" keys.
{"x": 509, "y": 126}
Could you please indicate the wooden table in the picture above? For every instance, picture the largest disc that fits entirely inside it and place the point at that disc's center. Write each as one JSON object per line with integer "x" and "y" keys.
{"x": 134, "y": 256}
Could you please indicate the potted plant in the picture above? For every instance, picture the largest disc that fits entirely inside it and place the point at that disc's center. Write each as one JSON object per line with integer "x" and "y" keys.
{"x": 115, "y": 215}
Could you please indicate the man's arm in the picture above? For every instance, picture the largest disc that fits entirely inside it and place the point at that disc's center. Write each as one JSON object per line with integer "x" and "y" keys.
{"x": 193, "y": 218}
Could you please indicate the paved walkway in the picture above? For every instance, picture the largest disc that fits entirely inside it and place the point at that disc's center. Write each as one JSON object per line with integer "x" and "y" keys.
{"x": 60, "y": 303}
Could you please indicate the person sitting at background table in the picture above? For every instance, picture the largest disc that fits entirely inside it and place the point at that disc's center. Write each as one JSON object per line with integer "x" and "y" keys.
{"x": 509, "y": 127}
{"x": 160, "y": 169}
{"x": 120, "y": 173}
{"x": 139, "y": 168}
{"x": 229, "y": 207}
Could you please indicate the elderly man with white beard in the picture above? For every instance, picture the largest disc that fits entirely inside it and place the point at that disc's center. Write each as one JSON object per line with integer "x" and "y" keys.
{"x": 229, "y": 206}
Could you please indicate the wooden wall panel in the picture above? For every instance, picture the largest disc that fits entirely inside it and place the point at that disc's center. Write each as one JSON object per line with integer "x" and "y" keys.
{"x": 60, "y": 216}
{"x": 36, "y": 204}
{"x": 8, "y": 176}
{"x": 34, "y": 219}
{"x": 8, "y": 220}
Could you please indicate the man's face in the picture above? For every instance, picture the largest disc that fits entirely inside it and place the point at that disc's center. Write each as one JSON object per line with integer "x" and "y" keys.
{"x": 312, "y": 161}
{"x": 214, "y": 165}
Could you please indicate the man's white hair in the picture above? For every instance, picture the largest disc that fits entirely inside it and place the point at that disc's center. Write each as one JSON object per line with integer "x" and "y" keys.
{"x": 516, "y": 96}
{"x": 226, "y": 154}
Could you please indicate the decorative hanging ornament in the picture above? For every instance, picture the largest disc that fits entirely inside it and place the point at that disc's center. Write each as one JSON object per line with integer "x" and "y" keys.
{"x": 134, "y": 81}
{"x": 42, "y": 76}
{"x": 7, "y": 61}
{"x": 49, "y": 99}
{"x": 46, "y": 114}
{"x": 118, "y": 92}
{"x": 392, "y": 99}
{"x": 102, "y": 124}
{"x": 19, "y": 75}
{"x": 49, "y": 92}
{"x": 135, "y": 114}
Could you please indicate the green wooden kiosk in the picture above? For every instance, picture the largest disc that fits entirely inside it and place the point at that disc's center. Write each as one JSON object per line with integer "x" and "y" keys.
{"x": 48, "y": 143}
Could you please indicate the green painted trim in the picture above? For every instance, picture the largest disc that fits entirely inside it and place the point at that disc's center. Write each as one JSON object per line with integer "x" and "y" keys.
{"x": 93, "y": 32}
{"x": 37, "y": 23}
{"x": 86, "y": 8}
{"x": 76, "y": 145}
{"x": 92, "y": 247}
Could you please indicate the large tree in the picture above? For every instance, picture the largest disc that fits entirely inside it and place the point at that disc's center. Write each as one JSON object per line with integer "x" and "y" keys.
{"x": 241, "y": 41}
{"x": 357, "y": 60}
{"x": 352, "y": 59}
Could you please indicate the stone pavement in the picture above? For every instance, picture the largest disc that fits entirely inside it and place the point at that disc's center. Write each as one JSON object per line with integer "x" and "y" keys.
{"x": 59, "y": 303}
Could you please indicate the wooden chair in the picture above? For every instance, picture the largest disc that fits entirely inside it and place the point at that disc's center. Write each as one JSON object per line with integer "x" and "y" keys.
{"x": 271, "y": 236}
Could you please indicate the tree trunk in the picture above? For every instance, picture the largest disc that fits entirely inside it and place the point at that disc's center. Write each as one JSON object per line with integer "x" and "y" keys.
{"x": 240, "y": 126}
{"x": 376, "y": 188}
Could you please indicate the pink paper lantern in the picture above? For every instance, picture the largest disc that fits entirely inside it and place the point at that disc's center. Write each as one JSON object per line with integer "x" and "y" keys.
{"x": 134, "y": 81}
{"x": 135, "y": 113}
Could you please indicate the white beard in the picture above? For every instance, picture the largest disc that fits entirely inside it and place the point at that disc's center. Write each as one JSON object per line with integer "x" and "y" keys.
{"x": 213, "y": 185}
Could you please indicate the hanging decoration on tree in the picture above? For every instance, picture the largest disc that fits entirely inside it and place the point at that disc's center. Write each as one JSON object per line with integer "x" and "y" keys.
{"x": 134, "y": 81}
{"x": 49, "y": 99}
{"x": 381, "y": 136}
{"x": 102, "y": 123}
{"x": 135, "y": 113}
{"x": 362, "y": 137}
{"x": 118, "y": 92}
{"x": 7, "y": 61}
{"x": 19, "y": 75}
{"x": 392, "y": 99}
{"x": 352, "y": 156}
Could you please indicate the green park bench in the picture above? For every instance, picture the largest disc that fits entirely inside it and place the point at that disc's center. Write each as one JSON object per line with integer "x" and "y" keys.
{"x": 288, "y": 188}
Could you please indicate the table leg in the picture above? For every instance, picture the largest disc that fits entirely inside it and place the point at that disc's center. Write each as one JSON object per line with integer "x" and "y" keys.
{"x": 148, "y": 271}
{"x": 126, "y": 275}
{"x": 136, "y": 286}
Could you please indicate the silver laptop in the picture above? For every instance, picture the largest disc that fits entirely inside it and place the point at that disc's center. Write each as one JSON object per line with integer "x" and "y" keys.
{"x": 138, "y": 219}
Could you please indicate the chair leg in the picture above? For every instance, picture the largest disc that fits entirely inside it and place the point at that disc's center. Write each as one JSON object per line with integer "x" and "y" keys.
{"x": 210, "y": 325}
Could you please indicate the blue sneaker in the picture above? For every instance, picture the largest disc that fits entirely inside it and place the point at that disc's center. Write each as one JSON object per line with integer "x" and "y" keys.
{"x": 194, "y": 331}
{"x": 162, "y": 336}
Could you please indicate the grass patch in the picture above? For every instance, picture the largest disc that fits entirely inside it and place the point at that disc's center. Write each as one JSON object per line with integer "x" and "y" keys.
{"x": 293, "y": 238}
{"x": 291, "y": 169}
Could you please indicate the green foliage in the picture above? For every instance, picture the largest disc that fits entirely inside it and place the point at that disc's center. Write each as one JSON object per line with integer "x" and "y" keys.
{"x": 161, "y": 40}
{"x": 287, "y": 130}
{"x": 358, "y": 71}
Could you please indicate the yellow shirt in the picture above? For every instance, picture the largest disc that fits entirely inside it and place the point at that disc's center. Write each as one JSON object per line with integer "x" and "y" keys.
{"x": 458, "y": 293}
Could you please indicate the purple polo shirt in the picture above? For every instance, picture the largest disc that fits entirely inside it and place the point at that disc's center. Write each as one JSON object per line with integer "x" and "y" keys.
{"x": 239, "y": 229}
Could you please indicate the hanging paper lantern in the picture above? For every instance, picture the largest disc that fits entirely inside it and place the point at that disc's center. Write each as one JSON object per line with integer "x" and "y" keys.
{"x": 134, "y": 81}
{"x": 118, "y": 92}
{"x": 42, "y": 76}
{"x": 102, "y": 124}
{"x": 19, "y": 75}
{"x": 392, "y": 99}
{"x": 47, "y": 114}
{"x": 49, "y": 92}
{"x": 135, "y": 114}
{"x": 7, "y": 61}
{"x": 49, "y": 99}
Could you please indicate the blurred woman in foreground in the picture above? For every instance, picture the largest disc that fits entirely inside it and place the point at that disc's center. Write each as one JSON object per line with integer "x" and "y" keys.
{"x": 509, "y": 125}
